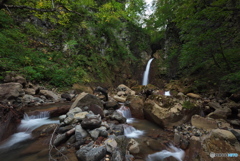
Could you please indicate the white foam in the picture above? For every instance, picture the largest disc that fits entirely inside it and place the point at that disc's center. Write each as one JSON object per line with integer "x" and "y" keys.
{"x": 131, "y": 132}
{"x": 175, "y": 152}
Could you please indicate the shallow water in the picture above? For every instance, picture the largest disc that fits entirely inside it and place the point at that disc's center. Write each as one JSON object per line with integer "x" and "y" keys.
{"x": 12, "y": 148}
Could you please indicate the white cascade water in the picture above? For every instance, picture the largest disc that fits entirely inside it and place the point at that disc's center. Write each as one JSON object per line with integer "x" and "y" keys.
{"x": 146, "y": 72}
{"x": 167, "y": 93}
{"x": 129, "y": 131}
{"x": 175, "y": 152}
{"x": 28, "y": 124}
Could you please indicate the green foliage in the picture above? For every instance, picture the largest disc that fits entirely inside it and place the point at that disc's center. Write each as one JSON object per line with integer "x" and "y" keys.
{"x": 188, "y": 105}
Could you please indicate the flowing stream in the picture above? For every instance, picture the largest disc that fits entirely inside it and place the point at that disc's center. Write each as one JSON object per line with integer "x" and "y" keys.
{"x": 131, "y": 132}
{"x": 12, "y": 145}
{"x": 146, "y": 72}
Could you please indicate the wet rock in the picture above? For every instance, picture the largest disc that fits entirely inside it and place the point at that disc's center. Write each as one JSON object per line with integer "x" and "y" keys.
{"x": 133, "y": 147}
{"x": 111, "y": 145}
{"x": 236, "y": 134}
{"x": 62, "y": 117}
{"x": 118, "y": 130}
{"x": 44, "y": 130}
{"x": 91, "y": 153}
{"x": 117, "y": 116}
{"x": 64, "y": 129}
{"x": 136, "y": 106}
{"x": 91, "y": 122}
{"x": 61, "y": 138}
{"x": 80, "y": 132}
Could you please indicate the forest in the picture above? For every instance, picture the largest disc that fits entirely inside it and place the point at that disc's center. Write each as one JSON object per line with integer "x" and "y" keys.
{"x": 63, "y": 42}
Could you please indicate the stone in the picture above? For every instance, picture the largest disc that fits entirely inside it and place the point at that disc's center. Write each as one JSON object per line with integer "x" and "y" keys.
{"x": 116, "y": 155}
{"x": 96, "y": 109}
{"x": 94, "y": 133}
{"x": 61, "y": 138}
{"x": 193, "y": 95}
{"x": 80, "y": 132}
{"x": 118, "y": 129}
{"x": 121, "y": 93}
{"x": 75, "y": 110}
{"x": 80, "y": 116}
{"x": 30, "y": 91}
{"x": 10, "y": 92}
{"x": 214, "y": 105}
{"x": 110, "y": 144}
{"x": 126, "y": 89}
{"x": 133, "y": 147}
{"x": 204, "y": 123}
{"x": 111, "y": 103}
{"x": 120, "y": 99}
{"x": 44, "y": 130}
{"x": 177, "y": 139}
{"x": 50, "y": 95}
{"x": 62, "y": 117}
{"x": 117, "y": 116}
{"x": 136, "y": 106}
{"x": 91, "y": 153}
{"x": 222, "y": 113}
{"x": 92, "y": 122}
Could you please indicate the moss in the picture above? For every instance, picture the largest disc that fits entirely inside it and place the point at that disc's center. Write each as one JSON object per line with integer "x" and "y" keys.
{"x": 188, "y": 105}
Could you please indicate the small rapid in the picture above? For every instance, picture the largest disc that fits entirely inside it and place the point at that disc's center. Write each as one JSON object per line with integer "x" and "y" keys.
{"x": 129, "y": 131}
{"x": 28, "y": 124}
{"x": 172, "y": 152}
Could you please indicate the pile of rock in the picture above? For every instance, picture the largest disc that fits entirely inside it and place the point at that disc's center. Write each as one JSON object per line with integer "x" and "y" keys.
{"x": 96, "y": 133}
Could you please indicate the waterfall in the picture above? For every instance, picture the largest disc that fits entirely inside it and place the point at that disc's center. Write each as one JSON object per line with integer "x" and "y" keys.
{"x": 28, "y": 124}
{"x": 146, "y": 72}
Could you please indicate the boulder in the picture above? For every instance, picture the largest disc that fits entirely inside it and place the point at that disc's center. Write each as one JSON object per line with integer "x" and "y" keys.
{"x": 111, "y": 103}
{"x": 44, "y": 130}
{"x": 208, "y": 123}
{"x": 50, "y": 95}
{"x": 12, "y": 77}
{"x": 91, "y": 153}
{"x": 10, "y": 92}
{"x": 222, "y": 113}
{"x": 168, "y": 117}
{"x": 126, "y": 89}
{"x": 85, "y": 99}
{"x": 136, "y": 106}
